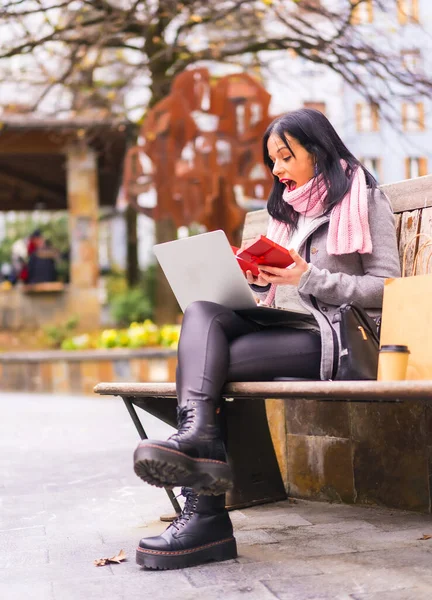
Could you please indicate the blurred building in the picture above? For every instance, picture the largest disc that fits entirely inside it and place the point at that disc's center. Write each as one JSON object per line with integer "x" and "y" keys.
{"x": 399, "y": 148}
{"x": 50, "y": 165}
{"x": 395, "y": 147}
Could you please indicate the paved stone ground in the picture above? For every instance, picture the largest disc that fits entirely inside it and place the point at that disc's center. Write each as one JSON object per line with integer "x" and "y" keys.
{"x": 69, "y": 496}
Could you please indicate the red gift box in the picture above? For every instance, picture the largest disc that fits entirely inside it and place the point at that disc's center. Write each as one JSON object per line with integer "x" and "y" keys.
{"x": 244, "y": 264}
{"x": 262, "y": 251}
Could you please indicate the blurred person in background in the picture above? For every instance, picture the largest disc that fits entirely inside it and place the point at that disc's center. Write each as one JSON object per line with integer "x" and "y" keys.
{"x": 42, "y": 264}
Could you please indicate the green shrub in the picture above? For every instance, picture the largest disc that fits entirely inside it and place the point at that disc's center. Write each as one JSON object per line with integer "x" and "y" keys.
{"x": 131, "y": 305}
{"x": 148, "y": 282}
{"x": 79, "y": 342}
{"x": 57, "y": 334}
{"x": 116, "y": 284}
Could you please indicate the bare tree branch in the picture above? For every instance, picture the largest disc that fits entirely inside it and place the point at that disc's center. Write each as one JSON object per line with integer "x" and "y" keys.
{"x": 155, "y": 39}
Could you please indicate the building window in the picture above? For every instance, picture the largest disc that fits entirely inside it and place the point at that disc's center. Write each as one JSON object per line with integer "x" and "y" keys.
{"x": 408, "y": 11}
{"x": 367, "y": 117}
{"x": 316, "y": 105}
{"x": 373, "y": 165}
{"x": 411, "y": 60}
{"x": 413, "y": 118}
{"x": 415, "y": 167}
{"x": 362, "y": 13}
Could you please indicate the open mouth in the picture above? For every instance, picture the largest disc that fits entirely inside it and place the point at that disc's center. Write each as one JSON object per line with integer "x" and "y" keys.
{"x": 289, "y": 183}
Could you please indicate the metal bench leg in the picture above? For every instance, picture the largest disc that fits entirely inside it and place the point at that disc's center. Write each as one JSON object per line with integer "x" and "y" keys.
{"x": 144, "y": 436}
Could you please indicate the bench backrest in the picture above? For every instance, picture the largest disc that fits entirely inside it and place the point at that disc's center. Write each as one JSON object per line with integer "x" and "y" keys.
{"x": 412, "y": 204}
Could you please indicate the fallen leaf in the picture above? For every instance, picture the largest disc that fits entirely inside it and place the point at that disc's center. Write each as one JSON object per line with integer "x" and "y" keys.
{"x": 120, "y": 556}
{"x": 425, "y": 537}
{"x": 101, "y": 562}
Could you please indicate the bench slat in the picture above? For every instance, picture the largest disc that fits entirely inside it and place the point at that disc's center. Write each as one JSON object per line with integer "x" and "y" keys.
{"x": 331, "y": 390}
{"x": 410, "y": 226}
{"x": 425, "y": 260}
{"x": 47, "y": 286}
{"x": 255, "y": 224}
{"x": 398, "y": 222}
{"x": 409, "y": 194}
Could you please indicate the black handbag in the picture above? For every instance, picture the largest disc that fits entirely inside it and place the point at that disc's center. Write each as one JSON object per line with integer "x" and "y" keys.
{"x": 358, "y": 356}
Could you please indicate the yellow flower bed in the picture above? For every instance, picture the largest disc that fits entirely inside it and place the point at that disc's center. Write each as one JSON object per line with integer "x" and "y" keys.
{"x": 138, "y": 335}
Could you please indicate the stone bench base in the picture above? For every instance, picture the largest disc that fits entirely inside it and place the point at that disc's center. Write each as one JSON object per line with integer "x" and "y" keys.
{"x": 375, "y": 448}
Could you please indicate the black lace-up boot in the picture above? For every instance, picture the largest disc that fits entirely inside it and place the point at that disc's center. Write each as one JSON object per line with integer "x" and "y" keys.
{"x": 195, "y": 456}
{"x": 202, "y": 533}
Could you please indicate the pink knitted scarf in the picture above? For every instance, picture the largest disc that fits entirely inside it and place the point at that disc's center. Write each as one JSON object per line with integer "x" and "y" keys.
{"x": 349, "y": 224}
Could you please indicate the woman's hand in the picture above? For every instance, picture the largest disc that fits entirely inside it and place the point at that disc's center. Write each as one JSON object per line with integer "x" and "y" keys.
{"x": 280, "y": 276}
{"x": 258, "y": 280}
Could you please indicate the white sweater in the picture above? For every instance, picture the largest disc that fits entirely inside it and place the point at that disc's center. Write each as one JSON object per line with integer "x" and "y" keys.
{"x": 291, "y": 295}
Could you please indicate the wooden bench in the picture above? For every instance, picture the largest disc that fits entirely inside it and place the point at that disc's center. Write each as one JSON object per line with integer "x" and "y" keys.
{"x": 44, "y": 288}
{"x": 256, "y": 470}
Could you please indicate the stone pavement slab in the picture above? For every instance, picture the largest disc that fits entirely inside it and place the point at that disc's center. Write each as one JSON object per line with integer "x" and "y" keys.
{"x": 413, "y": 593}
{"x": 68, "y": 495}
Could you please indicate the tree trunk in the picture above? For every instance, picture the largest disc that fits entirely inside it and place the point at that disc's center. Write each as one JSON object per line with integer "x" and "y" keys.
{"x": 166, "y": 310}
{"x": 132, "y": 267}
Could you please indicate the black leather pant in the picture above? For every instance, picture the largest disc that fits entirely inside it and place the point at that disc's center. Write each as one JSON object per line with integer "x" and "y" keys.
{"x": 217, "y": 345}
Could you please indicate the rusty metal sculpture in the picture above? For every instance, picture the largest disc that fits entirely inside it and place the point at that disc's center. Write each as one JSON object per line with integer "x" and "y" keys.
{"x": 197, "y": 144}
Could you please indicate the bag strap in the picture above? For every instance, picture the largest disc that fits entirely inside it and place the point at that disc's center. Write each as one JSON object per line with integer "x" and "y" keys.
{"x": 366, "y": 321}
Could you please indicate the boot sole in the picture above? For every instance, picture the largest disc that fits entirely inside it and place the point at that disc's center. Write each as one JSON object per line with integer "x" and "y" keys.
{"x": 168, "y": 468}
{"x": 179, "y": 559}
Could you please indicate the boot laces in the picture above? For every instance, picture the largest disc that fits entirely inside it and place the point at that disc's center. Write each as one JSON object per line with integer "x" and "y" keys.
{"x": 185, "y": 419}
{"x": 188, "y": 509}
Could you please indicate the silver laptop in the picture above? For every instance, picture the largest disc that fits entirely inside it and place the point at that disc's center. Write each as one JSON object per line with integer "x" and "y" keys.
{"x": 203, "y": 267}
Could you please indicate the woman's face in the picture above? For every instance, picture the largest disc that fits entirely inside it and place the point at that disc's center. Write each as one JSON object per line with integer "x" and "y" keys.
{"x": 293, "y": 171}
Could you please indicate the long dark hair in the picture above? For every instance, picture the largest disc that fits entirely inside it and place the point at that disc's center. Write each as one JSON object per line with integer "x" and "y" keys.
{"x": 317, "y": 135}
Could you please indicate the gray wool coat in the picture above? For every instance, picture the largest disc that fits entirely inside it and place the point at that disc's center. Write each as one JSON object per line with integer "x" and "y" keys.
{"x": 335, "y": 280}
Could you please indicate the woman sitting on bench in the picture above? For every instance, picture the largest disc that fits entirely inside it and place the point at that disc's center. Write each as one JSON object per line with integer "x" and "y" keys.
{"x": 325, "y": 208}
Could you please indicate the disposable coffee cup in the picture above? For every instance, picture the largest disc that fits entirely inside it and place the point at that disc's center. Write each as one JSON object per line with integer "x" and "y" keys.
{"x": 393, "y": 362}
